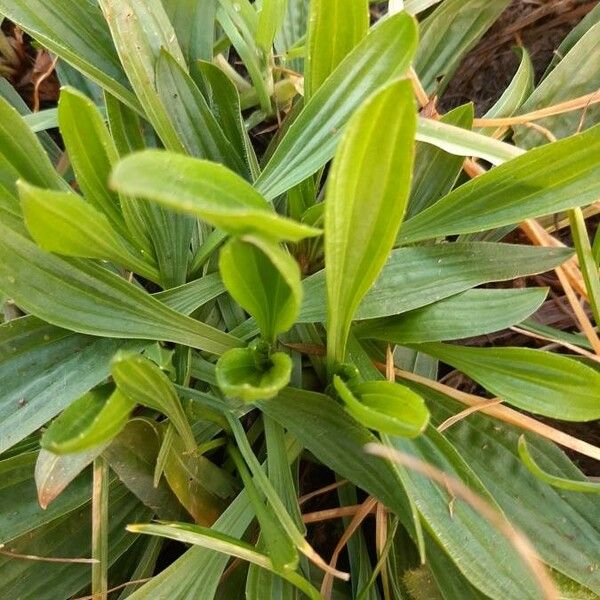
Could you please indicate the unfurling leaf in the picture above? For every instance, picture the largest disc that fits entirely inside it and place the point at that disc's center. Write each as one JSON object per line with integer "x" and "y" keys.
{"x": 253, "y": 373}
{"x": 384, "y": 406}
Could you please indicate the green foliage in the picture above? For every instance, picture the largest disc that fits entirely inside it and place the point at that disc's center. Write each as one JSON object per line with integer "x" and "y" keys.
{"x": 203, "y": 310}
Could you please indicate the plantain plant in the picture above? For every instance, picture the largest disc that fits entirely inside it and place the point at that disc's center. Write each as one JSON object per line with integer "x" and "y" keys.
{"x": 200, "y": 318}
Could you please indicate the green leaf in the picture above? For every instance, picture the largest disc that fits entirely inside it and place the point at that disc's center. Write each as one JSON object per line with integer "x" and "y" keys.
{"x": 310, "y": 141}
{"x": 224, "y": 100}
{"x": 200, "y": 485}
{"x": 191, "y": 116}
{"x": 436, "y": 171}
{"x": 194, "y": 23}
{"x": 537, "y": 381}
{"x": 269, "y": 20}
{"x": 281, "y": 551}
{"x": 469, "y": 540}
{"x": 239, "y": 21}
{"x": 87, "y": 46}
{"x": 448, "y": 34}
{"x": 93, "y": 419}
{"x": 553, "y": 480}
{"x": 64, "y": 223}
{"x": 21, "y": 514}
{"x": 569, "y": 524}
{"x": 10, "y": 94}
{"x": 22, "y": 153}
{"x": 43, "y": 369}
{"x": 144, "y": 383}
{"x": 265, "y": 280}
{"x": 463, "y": 142}
{"x": 91, "y": 151}
{"x": 220, "y": 542}
{"x": 517, "y": 91}
{"x": 89, "y": 299}
{"x": 428, "y": 274}
{"x": 546, "y": 180}
{"x": 384, "y": 406}
{"x": 334, "y": 29}
{"x": 367, "y": 193}
{"x": 206, "y": 190}
{"x": 474, "y": 312}
{"x": 132, "y": 455}
{"x": 573, "y": 37}
{"x": 67, "y": 536}
{"x": 141, "y": 30}
{"x": 293, "y": 31}
{"x": 324, "y": 428}
{"x": 192, "y": 295}
{"x": 575, "y": 75}
{"x": 240, "y": 374}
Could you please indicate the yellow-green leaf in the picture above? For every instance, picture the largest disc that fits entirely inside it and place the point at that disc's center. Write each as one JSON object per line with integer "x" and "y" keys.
{"x": 366, "y": 198}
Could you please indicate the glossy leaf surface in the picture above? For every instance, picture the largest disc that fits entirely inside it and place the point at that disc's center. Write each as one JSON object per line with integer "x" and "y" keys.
{"x": 537, "y": 381}
{"x": 93, "y": 419}
{"x": 367, "y": 193}
{"x": 207, "y": 190}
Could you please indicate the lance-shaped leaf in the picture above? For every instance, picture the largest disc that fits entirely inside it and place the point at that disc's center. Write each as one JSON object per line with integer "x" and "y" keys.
{"x": 64, "y": 223}
{"x": 474, "y": 312}
{"x": 220, "y": 542}
{"x": 206, "y": 190}
{"x": 22, "y": 155}
{"x": 144, "y": 383}
{"x": 265, "y": 280}
{"x": 21, "y": 514}
{"x": 543, "y": 181}
{"x": 537, "y": 381}
{"x": 447, "y": 35}
{"x": 191, "y": 116}
{"x": 90, "y": 421}
{"x": 250, "y": 375}
{"x": 140, "y": 31}
{"x": 436, "y": 170}
{"x": 384, "y": 406}
{"x": 311, "y": 140}
{"x": 334, "y": 29}
{"x": 269, "y": 21}
{"x": 92, "y": 152}
{"x": 367, "y": 192}
{"x": 279, "y": 546}
{"x": 87, "y": 298}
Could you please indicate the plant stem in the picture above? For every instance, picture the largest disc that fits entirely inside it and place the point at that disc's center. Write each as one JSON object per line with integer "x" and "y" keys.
{"x": 100, "y": 529}
{"x": 588, "y": 266}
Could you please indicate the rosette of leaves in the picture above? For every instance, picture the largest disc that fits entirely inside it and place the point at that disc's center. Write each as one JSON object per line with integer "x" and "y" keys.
{"x": 195, "y": 310}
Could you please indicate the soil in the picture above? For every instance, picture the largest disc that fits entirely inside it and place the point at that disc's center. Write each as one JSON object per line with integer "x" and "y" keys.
{"x": 537, "y": 25}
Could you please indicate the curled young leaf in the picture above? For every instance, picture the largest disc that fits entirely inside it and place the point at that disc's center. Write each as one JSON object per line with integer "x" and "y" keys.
{"x": 384, "y": 406}
{"x": 94, "y": 419}
{"x": 252, "y": 374}
{"x": 265, "y": 280}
